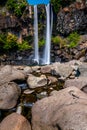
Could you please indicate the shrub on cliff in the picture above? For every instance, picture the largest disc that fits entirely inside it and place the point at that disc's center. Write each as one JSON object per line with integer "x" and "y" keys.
{"x": 57, "y": 4}
{"x": 60, "y": 41}
{"x": 73, "y": 40}
{"x": 70, "y": 41}
{"x": 9, "y": 42}
{"x": 24, "y": 46}
{"x": 16, "y": 6}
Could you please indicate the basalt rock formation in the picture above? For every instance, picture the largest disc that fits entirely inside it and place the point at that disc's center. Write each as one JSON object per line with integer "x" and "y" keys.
{"x": 17, "y": 25}
{"x": 72, "y": 18}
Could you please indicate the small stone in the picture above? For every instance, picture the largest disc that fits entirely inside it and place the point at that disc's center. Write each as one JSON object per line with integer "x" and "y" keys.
{"x": 35, "y": 68}
{"x": 19, "y": 109}
{"x": 72, "y": 77}
{"x": 35, "y": 82}
{"x": 28, "y": 91}
{"x": 41, "y": 95}
{"x": 46, "y": 69}
{"x": 74, "y": 73}
{"x": 51, "y": 80}
{"x": 28, "y": 69}
{"x": 20, "y": 58}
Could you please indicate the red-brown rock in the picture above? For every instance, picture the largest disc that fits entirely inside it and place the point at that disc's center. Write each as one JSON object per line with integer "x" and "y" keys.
{"x": 15, "y": 122}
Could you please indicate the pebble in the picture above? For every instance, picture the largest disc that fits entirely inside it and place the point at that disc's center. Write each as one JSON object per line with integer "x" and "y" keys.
{"x": 28, "y": 91}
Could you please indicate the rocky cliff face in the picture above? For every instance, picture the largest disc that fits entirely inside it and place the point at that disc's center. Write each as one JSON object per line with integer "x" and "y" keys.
{"x": 72, "y": 18}
{"x": 9, "y": 22}
{"x": 69, "y": 19}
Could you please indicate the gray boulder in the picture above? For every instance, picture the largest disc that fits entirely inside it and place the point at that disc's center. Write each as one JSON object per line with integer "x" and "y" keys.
{"x": 83, "y": 70}
{"x": 46, "y": 69}
{"x": 80, "y": 82}
{"x": 9, "y": 94}
{"x": 8, "y": 73}
{"x": 62, "y": 70}
{"x": 65, "y": 110}
{"x": 35, "y": 82}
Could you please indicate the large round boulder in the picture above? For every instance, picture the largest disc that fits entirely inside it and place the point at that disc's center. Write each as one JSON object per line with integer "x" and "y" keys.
{"x": 65, "y": 110}
{"x": 9, "y": 94}
{"x": 8, "y": 73}
{"x": 15, "y": 122}
{"x": 80, "y": 82}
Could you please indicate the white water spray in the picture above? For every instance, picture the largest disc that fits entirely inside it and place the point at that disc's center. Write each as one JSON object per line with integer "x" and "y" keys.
{"x": 46, "y": 57}
{"x": 36, "y": 52}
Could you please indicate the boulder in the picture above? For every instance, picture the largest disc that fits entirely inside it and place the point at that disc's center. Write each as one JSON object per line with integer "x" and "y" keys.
{"x": 9, "y": 94}
{"x": 51, "y": 80}
{"x": 35, "y": 82}
{"x": 65, "y": 110}
{"x": 8, "y": 73}
{"x": 62, "y": 70}
{"x": 36, "y": 68}
{"x": 15, "y": 122}
{"x": 83, "y": 70}
{"x": 80, "y": 82}
{"x": 46, "y": 69}
{"x": 28, "y": 70}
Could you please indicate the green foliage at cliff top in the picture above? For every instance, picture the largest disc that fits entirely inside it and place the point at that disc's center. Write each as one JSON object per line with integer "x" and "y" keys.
{"x": 16, "y": 6}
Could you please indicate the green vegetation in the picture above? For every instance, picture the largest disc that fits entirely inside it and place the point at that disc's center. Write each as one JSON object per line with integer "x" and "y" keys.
{"x": 73, "y": 40}
{"x": 16, "y": 6}
{"x": 9, "y": 42}
{"x": 24, "y": 46}
{"x": 57, "y": 4}
{"x": 59, "y": 40}
{"x": 70, "y": 42}
{"x": 41, "y": 43}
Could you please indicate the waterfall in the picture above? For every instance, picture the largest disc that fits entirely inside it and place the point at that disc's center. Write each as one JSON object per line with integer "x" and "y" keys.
{"x": 36, "y": 51}
{"x": 46, "y": 57}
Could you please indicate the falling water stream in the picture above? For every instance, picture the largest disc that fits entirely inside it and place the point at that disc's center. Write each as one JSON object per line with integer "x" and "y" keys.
{"x": 36, "y": 52}
{"x": 46, "y": 57}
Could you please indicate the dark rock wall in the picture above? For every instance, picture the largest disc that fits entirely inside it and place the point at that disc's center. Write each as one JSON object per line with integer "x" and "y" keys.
{"x": 72, "y": 18}
{"x": 9, "y": 22}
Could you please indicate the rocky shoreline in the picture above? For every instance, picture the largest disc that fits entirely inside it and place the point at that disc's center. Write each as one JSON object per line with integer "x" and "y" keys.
{"x": 51, "y": 97}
